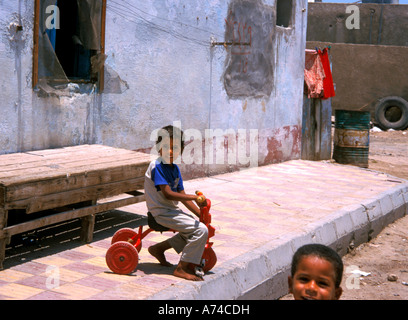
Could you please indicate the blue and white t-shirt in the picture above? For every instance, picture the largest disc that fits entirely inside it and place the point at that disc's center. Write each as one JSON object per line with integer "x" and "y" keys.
{"x": 158, "y": 174}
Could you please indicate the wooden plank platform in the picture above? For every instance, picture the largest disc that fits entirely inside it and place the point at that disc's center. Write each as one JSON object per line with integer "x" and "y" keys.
{"x": 67, "y": 183}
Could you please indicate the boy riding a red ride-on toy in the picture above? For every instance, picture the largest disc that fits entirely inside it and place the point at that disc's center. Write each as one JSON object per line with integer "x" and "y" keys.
{"x": 123, "y": 255}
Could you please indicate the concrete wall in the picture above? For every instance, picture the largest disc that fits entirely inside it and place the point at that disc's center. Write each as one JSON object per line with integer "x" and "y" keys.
{"x": 378, "y": 24}
{"x": 170, "y": 73}
{"x": 368, "y": 63}
{"x": 356, "y": 70}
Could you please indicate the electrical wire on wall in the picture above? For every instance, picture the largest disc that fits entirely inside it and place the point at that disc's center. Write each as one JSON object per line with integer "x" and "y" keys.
{"x": 138, "y": 16}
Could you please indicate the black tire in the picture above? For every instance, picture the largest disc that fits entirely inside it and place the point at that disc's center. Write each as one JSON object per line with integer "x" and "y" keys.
{"x": 392, "y": 113}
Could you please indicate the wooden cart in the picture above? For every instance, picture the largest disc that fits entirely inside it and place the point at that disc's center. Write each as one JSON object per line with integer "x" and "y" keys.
{"x": 57, "y": 185}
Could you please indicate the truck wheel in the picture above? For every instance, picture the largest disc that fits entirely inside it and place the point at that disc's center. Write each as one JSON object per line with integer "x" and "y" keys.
{"x": 392, "y": 113}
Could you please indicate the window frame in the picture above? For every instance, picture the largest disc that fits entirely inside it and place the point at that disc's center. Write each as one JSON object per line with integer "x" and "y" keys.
{"x": 100, "y": 81}
{"x": 290, "y": 13}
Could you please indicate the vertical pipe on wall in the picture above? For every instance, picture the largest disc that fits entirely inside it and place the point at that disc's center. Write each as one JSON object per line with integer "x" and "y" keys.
{"x": 18, "y": 70}
{"x": 35, "y": 41}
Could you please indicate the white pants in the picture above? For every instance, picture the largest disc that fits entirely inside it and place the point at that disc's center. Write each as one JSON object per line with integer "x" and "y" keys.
{"x": 191, "y": 237}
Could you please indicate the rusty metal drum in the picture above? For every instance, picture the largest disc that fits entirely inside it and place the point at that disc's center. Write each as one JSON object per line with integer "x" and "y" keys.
{"x": 352, "y": 137}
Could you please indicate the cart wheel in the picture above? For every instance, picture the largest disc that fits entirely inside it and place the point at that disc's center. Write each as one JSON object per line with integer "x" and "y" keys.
{"x": 210, "y": 259}
{"x": 126, "y": 234}
{"x": 122, "y": 257}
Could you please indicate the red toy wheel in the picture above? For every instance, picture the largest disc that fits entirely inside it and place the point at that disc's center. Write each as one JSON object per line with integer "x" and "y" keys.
{"x": 126, "y": 234}
{"x": 210, "y": 259}
{"x": 122, "y": 257}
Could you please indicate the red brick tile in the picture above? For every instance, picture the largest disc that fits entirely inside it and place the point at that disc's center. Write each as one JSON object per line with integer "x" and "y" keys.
{"x": 98, "y": 282}
{"x": 85, "y": 268}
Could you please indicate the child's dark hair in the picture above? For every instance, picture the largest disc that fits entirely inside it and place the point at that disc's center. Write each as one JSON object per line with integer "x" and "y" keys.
{"x": 323, "y": 252}
{"x": 172, "y": 132}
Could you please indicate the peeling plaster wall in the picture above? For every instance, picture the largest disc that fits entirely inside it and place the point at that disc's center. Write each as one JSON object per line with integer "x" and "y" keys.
{"x": 30, "y": 121}
{"x": 162, "y": 52}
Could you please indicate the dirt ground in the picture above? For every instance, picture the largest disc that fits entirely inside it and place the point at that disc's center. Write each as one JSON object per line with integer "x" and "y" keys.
{"x": 382, "y": 263}
{"x": 388, "y": 152}
{"x": 386, "y": 255}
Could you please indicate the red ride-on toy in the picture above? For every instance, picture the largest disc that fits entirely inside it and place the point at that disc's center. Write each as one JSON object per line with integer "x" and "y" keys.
{"x": 123, "y": 255}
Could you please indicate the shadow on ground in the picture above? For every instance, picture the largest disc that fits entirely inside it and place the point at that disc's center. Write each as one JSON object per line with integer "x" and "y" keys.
{"x": 56, "y": 238}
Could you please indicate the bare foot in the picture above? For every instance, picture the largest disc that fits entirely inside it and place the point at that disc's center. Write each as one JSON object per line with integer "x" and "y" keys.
{"x": 182, "y": 271}
{"x": 158, "y": 252}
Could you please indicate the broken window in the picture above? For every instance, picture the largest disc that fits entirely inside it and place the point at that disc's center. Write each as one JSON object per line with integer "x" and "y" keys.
{"x": 68, "y": 42}
{"x": 284, "y": 13}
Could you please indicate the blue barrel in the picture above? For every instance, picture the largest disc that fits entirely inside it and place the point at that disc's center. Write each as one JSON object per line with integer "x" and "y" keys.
{"x": 352, "y": 137}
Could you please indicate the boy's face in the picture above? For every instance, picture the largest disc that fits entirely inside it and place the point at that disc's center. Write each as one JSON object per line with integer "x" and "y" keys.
{"x": 314, "y": 280}
{"x": 169, "y": 151}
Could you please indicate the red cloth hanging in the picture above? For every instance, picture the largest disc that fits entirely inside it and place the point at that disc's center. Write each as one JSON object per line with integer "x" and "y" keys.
{"x": 314, "y": 74}
{"x": 318, "y": 76}
{"x": 328, "y": 86}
